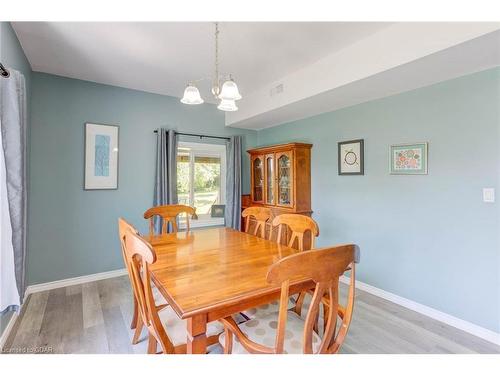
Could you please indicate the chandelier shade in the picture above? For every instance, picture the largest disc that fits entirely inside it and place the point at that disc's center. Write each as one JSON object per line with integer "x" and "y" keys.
{"x": 229, "y": 91}
{"x": 227, "y": 105}
{"x": 191, "y": 96}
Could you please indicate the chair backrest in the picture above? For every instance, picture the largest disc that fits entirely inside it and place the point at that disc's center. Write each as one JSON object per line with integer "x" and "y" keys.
{"x": 261, "y": 216}
{"x": 324, "y": 267}
{"x": 123, "y": 227}
{"x": 298, "y": 224}
{"x": 169, "y": 214}
{"x": 140, "y": 256}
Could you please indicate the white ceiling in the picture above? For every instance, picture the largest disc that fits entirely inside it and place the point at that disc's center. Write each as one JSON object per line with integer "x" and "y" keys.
{"x": 320, "y": 66}
{"x": 163, "y": 57}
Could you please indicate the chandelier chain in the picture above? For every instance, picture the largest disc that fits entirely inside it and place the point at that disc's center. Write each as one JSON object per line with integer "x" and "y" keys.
{"x": 216, "y": 78}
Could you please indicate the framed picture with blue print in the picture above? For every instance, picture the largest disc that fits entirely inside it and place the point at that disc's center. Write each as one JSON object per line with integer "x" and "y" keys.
{"x": 101, "y": 157}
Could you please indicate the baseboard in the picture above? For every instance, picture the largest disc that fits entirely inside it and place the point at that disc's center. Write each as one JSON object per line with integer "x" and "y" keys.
{"x": 8, "y": 329}
{"x": 74, "y": 281}
{"x": 451, "y": 320}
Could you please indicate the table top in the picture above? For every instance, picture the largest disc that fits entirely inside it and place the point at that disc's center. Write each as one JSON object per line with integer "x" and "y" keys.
{"x": 202, "y": 270}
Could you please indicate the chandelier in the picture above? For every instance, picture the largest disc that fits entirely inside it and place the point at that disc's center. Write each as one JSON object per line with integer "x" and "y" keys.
{"x": 223, "y": 86}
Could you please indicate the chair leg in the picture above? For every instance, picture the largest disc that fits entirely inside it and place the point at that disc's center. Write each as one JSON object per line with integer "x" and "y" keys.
{"x": 138, "y": 330}
{"x": 152, "y": 344}
{"x": 325, "y": 317}
{"x": 135, "y": 316}
{"x": 228, "y": 342}
{"x": 299, "y": 302}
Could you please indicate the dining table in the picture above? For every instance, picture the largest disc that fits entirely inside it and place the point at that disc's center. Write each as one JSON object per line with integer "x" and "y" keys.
{"x": 208, "y": 274}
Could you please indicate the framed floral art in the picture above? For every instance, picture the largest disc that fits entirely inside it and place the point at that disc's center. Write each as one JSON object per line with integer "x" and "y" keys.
{"x": 410, "y": 158}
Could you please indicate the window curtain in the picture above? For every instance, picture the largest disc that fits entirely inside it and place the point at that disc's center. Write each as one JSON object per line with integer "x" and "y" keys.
{"x": 166, "y": 171}
{"x": 13, "y": 192}
{"x": 233, "y": 183}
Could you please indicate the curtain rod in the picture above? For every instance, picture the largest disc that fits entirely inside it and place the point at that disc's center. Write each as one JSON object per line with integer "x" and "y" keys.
{"x": 200, "y": 135}
{"x": 4, "y": 72}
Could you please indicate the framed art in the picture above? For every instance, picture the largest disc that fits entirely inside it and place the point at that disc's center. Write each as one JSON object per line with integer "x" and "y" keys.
{"x": 218, "y": 210}
{"x": 101, "y": 157}
{"x": 351, "y": 157}
{"x": 410, "y": 158}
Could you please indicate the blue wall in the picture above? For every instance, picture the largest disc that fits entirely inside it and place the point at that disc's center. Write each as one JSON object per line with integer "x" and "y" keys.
{"x": 427, "y": 238}
{"x": 72, "y": 232}
{"x": 12, "y": 56}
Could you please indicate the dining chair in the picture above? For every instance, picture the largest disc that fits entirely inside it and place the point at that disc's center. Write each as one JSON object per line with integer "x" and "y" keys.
{"x": 298, "y": 225}
{"x": 123, "y": 227}
{"x": 162, "y": 322}
{"x": 261, "y": 215}
{"x": 286, "y": 331}
{"x": 169, "y": 214}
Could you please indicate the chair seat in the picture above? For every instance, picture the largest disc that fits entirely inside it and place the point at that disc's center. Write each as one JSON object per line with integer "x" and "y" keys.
{"x": 176, "y": 327}
{"x": 267, "y": 308}
{"x": 262, "y": 330}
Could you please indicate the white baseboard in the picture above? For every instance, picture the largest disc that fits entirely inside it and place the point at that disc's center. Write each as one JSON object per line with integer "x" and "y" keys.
{"x": 451, "y": 320}
{"x": 74, "y": 281}
{"x": 8, "y": 329}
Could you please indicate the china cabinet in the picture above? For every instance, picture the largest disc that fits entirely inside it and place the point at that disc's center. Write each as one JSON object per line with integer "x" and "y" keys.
{"x": 280, "y": 178}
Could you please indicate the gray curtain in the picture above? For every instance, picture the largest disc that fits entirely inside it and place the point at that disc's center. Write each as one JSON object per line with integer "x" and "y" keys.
{"x": 166, "y": 170}
{"x": 233, "y": 183}
{"x": 13, "y": 120}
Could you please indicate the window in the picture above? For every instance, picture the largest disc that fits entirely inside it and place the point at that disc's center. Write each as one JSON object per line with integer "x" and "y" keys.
{"x": 201, "y": 180}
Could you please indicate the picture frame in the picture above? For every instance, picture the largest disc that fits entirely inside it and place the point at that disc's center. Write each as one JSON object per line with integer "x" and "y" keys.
{"x": 351, "y": 157}
{"x": 218, "y": 210}
{"x": 409, "y": 158}
{"x": 100, "y": 156}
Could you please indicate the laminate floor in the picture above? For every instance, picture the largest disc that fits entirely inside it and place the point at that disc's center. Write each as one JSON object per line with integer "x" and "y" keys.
{"x": 95, "y": 318}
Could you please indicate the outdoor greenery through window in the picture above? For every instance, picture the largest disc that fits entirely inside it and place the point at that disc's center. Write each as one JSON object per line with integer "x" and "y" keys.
{"x": 201, "y": 178}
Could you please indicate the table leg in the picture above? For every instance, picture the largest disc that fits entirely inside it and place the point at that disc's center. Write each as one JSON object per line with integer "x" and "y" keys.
{"x": 196, "y": 335}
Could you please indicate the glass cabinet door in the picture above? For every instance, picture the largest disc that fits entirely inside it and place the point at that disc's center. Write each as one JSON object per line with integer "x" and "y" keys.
{"x": 258, "y": 179}
{"x": 285, "y": 178}
{"x": 270, "y": 178}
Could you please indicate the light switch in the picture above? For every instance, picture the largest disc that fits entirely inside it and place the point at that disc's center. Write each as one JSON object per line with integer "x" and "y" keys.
{"x": 489, "y": 195}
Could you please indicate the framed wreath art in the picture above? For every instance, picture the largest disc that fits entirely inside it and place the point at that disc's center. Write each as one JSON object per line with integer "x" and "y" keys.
{"x": 351, "y": 157}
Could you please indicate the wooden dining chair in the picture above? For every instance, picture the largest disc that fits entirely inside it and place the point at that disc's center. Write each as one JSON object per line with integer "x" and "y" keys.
{"x": 123, "y": 227}
{"x": 261, "y": 215}
{"x": 286, "y": 331}
{"x": 169, "y": 214}
{"x": 298, "y": 225}
{"x": 162, "y": 322}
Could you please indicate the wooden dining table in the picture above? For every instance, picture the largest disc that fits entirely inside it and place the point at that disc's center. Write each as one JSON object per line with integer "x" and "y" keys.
{"x": 213, "y": 273}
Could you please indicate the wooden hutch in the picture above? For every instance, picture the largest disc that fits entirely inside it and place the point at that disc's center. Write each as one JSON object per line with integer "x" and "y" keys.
{"x": 280, "y": 178}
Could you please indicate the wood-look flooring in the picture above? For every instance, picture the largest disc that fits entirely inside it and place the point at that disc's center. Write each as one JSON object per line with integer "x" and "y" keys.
{"x": 95, "y": 318}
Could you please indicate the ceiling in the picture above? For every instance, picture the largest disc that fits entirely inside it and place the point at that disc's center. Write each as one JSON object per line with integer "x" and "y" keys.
{"x": 163, "y": 57}
{"x": 318, "y": 66}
